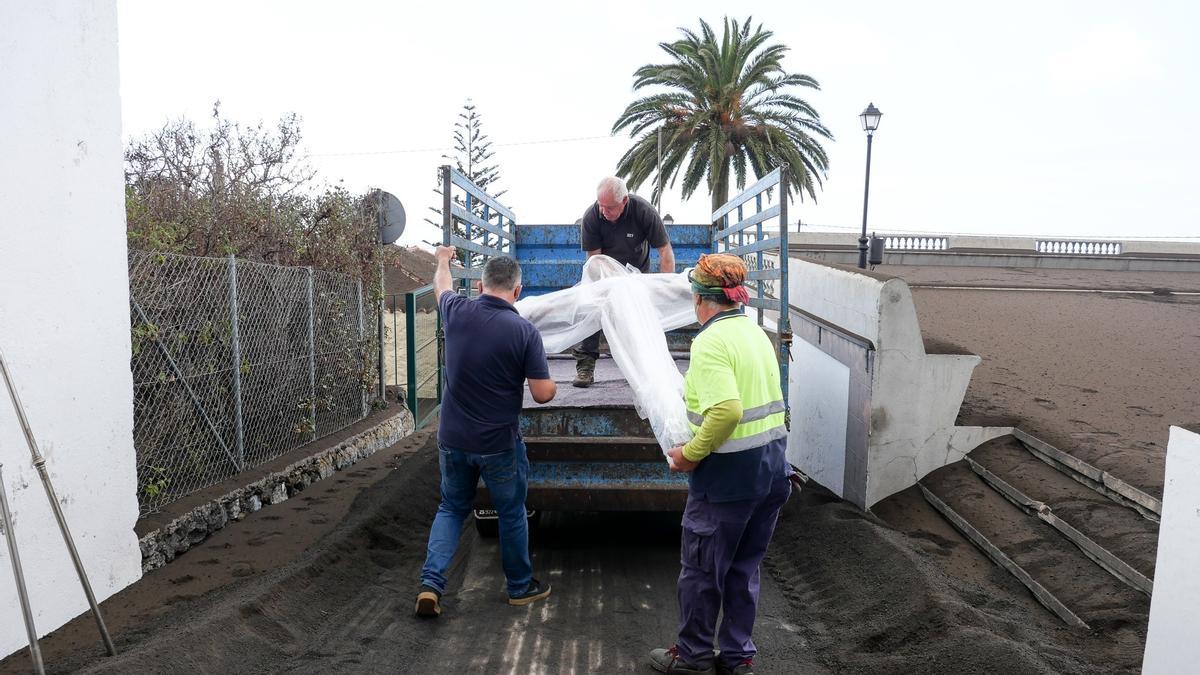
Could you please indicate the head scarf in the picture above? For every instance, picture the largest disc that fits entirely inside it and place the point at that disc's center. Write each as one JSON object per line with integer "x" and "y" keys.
{"x": 720, "y": 275}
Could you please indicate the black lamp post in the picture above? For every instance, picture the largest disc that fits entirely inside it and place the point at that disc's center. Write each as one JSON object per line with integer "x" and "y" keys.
{"x": 870, "y": 122}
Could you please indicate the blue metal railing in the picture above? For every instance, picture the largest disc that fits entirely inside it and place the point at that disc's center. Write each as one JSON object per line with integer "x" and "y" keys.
{"x": 488, "y": 228}
{"x": 752, "y": 240}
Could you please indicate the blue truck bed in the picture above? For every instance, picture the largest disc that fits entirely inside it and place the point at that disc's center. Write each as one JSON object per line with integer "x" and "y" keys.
{"x": 588, "y": 449}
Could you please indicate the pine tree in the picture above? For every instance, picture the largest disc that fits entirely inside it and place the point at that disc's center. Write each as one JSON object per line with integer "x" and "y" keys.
{"x": 472, "y": 150}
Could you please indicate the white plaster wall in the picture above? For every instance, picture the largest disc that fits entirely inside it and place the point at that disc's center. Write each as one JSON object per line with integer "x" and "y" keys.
{"x": 1160, "y": 247}
{"x": 842, "y": 297}
{"x": 1002, "y": 243}
{"x": 823, "y": 238}
{"x": 915, "y": 397}
{"x": 1172, "y": 644}
{"x": 915, "y": 401}
{"x": 1028, "y": 244}
{"x": 64, "y": 306}
{"x": 818, "y": 390}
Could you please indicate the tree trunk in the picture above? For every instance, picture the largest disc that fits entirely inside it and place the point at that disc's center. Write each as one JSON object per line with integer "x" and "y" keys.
{"x": 720, "y": 195}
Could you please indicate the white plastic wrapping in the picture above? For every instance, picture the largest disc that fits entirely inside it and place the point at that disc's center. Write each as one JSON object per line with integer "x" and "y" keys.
{"x": 634, "y": 310}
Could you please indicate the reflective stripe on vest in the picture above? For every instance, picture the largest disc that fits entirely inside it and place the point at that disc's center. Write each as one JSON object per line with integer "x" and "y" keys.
{"x": 756, "y": 378}
{"x": 755, "y": 413}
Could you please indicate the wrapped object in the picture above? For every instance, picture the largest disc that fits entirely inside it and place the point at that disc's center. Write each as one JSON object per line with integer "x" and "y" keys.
{"x": 635, "y": 310}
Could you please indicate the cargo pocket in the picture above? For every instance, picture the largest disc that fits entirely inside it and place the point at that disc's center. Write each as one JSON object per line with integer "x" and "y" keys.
{"x": 696, "y": 552}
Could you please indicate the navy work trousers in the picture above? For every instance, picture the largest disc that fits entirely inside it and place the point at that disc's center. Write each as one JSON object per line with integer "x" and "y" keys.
{"x": 722, "y": 549}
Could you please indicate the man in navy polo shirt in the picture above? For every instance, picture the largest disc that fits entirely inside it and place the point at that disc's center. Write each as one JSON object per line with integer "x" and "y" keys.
{"x": 490, "y": 352}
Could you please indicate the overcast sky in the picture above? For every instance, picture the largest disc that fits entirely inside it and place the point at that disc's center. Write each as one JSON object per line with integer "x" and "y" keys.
{"x": 1034, "y": 118}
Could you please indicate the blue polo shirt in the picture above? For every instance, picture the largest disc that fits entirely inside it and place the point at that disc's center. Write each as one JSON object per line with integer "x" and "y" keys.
{"x": 490, "y": 351}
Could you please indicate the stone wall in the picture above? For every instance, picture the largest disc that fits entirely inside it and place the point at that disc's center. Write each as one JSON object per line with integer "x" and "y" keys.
{"x": 164, "y": 544}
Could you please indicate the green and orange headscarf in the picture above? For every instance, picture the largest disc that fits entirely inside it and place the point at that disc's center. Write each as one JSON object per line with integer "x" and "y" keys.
{"x": 720, "y": 275}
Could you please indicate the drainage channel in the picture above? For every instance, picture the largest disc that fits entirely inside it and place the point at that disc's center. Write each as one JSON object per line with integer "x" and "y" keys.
{"x": 1082, "y": 548}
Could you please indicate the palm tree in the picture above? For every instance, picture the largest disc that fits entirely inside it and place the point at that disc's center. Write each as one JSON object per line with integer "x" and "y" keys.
{"x": 725, "y": 106}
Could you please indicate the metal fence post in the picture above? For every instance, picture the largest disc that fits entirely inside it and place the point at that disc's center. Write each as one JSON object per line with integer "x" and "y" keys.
{"x": 312, "y": 355}
{"x": 236, "y": 346}
{"x": 785, "y": 313}
{"x": 361, "y": 337}
{"x": 395, "y": 342}
{"x": 382, "y": 290}
{"x": 410, "y": 351}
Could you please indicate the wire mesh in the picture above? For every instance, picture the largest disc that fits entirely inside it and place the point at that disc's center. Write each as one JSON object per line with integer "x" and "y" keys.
{"x": 217, "y": 391}
{"x": 395, "y": 359}
{"x": 424, "y": 380}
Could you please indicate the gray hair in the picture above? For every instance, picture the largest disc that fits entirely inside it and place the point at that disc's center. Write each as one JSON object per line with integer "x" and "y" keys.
{"x": 721, "y": 303}
{"x": 613, "y": 186}
{"x": 501, "y": 273}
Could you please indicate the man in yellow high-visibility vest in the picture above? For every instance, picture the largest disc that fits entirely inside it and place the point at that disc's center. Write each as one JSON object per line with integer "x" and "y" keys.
{"x": 739, "y": 475}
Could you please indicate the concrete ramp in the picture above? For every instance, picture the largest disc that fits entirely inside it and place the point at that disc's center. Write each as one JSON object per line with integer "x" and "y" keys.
{"x": 872, "y": 412}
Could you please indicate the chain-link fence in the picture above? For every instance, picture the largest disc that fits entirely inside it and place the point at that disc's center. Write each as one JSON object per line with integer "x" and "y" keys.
{"x": 235, "y": 363}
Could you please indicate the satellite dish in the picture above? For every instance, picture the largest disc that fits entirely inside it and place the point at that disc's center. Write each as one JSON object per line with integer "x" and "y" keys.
{"x": 391, "y": 216}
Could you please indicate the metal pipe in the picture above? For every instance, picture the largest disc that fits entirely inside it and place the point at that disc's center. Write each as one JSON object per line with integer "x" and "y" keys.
{"x": 39, "y": 463}
{"x": 362, "y": 336}
{"x": 785, "y": 322}
{"x": 862, "y": 241}
{"x": 236, "y": 345}
{"x": 312, "y": 354}
{"x": 35, "y": 650}
{"x": 382, "y": 390}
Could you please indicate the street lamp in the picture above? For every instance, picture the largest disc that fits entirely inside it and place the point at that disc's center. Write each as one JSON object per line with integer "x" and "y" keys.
{"x": 870, "y": 122}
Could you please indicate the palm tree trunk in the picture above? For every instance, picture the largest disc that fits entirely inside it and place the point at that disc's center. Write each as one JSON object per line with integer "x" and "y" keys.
{"x": 720, "y": 195}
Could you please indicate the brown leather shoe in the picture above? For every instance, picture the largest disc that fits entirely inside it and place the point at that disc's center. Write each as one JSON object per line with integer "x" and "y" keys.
{"x": 428, "y": 603}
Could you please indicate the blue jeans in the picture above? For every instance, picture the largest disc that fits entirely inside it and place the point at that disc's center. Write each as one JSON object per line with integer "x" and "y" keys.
{"x": 506, "y": 475}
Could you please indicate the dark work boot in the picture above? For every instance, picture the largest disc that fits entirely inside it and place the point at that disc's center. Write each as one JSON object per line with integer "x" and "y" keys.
{"x": 585, "y": 371}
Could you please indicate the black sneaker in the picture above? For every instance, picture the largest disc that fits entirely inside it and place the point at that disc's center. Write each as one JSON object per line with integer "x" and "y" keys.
{"x": 536, "y": 591}
{"x": 744, "y": 667}
{"x": 667, "y": 661}
{"x": 428, "y": 603}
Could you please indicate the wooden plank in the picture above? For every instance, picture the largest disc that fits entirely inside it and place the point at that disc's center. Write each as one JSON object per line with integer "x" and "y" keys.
{"x": 1123, "y": 571}
{"x": 477, "y": 192}
{"x": 763, "y": 245}
{"x": 749, "y": 222}
{"x": 1048, "y": 600}
{"x": 763, "y": 183}
{"x": 1093, "y": 477}
{"x": 474, "y": 247}
{"x": 468, "y": 217}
